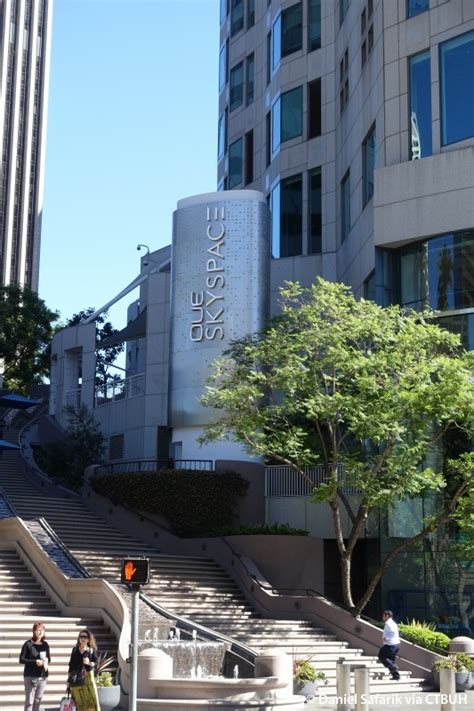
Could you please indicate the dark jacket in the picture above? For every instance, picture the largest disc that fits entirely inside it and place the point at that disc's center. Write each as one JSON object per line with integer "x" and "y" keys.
{"x": 30, "y": 652}
{"x": 77, "y": 668}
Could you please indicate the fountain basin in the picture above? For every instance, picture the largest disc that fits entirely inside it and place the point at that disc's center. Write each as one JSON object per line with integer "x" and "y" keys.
{"x": 218, "y": 688}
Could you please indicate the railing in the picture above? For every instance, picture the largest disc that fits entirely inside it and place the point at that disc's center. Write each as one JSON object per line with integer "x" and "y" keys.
{"x": 153, "y": 465}
{"x": 73, "y": 398}
{"x": 286, "y": 481}
{"x": 122, "y": 389}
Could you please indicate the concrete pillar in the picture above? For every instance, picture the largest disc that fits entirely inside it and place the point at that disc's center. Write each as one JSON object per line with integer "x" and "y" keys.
{"x": 447, "y": 687}
{"x": 343, "y": 686}
{"x": 273, "y": 662}
{"x": 362, "y": 688}
{"x": 152, "y": 664}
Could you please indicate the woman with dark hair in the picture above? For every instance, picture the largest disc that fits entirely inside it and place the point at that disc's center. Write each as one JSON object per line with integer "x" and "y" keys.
{"x": 36, "y": 658}
{"x": 84, "y": 658}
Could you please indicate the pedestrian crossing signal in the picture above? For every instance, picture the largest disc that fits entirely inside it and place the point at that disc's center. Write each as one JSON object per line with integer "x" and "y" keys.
{"x": 135, "y": 571}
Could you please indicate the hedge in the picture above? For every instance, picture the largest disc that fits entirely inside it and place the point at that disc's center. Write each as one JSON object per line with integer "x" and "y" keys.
{"x": 425, "y": 637}
{"x": 196, "y": 503}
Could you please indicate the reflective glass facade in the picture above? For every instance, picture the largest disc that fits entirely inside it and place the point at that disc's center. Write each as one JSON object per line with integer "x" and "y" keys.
{"x": 235, "y": 164}
{"x": 457, "y": 88}
{"x": 420, "y": 106}
{"x": 287, "y": 217}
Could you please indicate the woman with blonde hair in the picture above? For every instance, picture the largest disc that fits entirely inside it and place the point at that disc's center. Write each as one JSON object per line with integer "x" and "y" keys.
{"x": 36, "y": 658}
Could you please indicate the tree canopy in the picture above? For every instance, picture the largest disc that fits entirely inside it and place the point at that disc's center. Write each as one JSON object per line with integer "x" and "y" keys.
{"x": 367, "y": 391}
{"x": 26, "y": 329}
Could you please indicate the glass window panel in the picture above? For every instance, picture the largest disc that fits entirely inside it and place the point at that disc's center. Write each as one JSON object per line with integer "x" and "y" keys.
{"x": 249, "y": 81}
{"x": 276, "y": 222}
{"x": 314, "y": 101}
{"x": 420, "y": 106}
{"x": 249, "y": 157}
{"x": 414, "y": 7}
{"x": 315, "y": 213}
{"x": 223, "y": 10}
{"x": 236, "y": 16}
{"x": 463, "y": 324}
{"x": 276, "y": 124}
{"x": 439, "y": 272}
{"x": 250, "y": 13}
{"x": 345, "y": 206}
{"x": 269, "y": 57}
{"x": 291, "y": 30}
{"x": 368, "y": 166}
{"x": 221, "y": 137}
{"x": 236, "y": 86}
{"x": 457, "y": 88}
{"x": 291, "y": 114}
{"x": 268, "y": 139}
{"x": 235, "y": 164}
{"x": 222, "y": 68}
{"x": 276, "y": 43}
{"x": 291, "y": 212}
{"x": 369, "y": 287}
{"x": 343, "y": 7}
{"x": 314, "y": 25}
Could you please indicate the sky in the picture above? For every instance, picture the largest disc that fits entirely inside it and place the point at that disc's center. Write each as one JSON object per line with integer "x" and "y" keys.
{"x": 132, "y": 128}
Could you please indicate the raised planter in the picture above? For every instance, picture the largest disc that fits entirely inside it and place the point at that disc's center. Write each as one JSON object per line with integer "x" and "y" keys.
{"x": 109, "y": 697}
{"x": 309, "y": 689}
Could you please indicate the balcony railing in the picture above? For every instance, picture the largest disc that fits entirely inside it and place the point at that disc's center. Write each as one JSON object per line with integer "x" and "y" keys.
{"x": 115, "y": 390}
{"x": 285, "y": 481}
{"x": 153, "y": 465}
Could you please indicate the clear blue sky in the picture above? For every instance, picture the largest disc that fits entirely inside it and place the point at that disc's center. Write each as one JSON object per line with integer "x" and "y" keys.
{"x": 132, "y": 128}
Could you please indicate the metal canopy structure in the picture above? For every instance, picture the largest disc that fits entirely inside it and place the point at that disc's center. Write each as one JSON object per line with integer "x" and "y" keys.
{"x": 14, "y": 401}
{"x": 7, "y": 445}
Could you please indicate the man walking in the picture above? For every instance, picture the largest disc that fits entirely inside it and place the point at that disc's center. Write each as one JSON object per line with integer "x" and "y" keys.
{"x": 391, "y": 644}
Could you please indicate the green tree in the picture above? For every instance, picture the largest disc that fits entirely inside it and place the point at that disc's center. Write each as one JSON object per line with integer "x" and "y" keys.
{"x": 366, "y": 391}
{"x": 105, "y": 357}
{"x": 82, "y": 445}
{"x": 26, "y": 329}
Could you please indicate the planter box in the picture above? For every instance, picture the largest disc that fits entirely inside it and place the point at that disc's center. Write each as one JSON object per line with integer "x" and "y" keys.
{"x": 109, "y": 697}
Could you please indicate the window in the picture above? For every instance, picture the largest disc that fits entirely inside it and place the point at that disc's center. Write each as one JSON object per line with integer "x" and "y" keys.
{"x": 345, "y": 205}
{"x": 235, "y": 164}
{"x": 248, "y": 157}
{"x": 287, "y": 218}
{"x": 457, "y": 88}
{"x": 221, "y": 137}
{"x": 224, "y": 10}
{"x": 314, "y": 24}
{"x": 369, "y": 287}
{"x": 269, "y": 57}
{"x": 287, "y": 33}
{"x": 368, "y": 165}
{"x": 344, "y": 80}
{"x": 315, "y": 213}
{"x": 414, "y": 7}
{"x": 249, "y": 79}
{"x": 116, "y": 446}
{"x": 222, "y": 68}
{"x": 287, "y": 117}
{"x": 314, "y": 108}
{"x": 268, "y": 135}
{"x": 343, "y": 7}
{"x": 236, "y": 16}
{"x": 420, "y": 106}
{"x": 367, "y": 32}
{"x": 236, "y": 86}
{"x": 438, "y": 272}
{"x": 250, "y": 13}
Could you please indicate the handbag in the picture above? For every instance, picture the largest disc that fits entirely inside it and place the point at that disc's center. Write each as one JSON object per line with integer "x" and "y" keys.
{"x": 76, "y": 679}
{"x": 67, "y": 704}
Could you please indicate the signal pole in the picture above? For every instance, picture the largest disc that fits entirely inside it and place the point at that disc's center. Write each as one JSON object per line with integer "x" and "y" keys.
{"x": 135, "y": 572}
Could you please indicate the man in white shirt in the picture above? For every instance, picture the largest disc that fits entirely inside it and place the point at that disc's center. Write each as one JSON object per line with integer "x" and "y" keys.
{"x": 391, "y": 644}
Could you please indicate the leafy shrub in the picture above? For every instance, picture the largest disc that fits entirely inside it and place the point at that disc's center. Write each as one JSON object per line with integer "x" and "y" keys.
{"x": 459, "y": 662}
{"x": 304, "y": 671}
{"x": 195, "y": 503}
{"x": 265, "y": 529}
{"x": 423, "y": 634}
{"x": 465, "y": 660}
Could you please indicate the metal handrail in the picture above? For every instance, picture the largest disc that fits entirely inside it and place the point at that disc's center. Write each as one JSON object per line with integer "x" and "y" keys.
{"x": 240, "y": 650}
{"x": 58, "y": 541}
{"x": 5, "y": 496}
{"x": 136, "y": 466}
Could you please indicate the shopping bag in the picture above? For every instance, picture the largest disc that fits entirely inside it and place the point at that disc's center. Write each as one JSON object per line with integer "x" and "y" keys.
{"x": 85, "y": 696}
{"x": 67, "y": 704}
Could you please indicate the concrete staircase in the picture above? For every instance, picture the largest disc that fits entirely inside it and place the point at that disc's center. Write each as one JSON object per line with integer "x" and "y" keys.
{"x": 196, "y": 588}
{"x": 22, "y": 602}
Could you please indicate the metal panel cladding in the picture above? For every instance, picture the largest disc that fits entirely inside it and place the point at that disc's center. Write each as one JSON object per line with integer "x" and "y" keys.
{"x": 220, "y": 289}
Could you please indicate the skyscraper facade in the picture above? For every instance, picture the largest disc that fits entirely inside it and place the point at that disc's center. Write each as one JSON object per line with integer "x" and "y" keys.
{"x": 25, "y": 35}
{"x": 356, "y": 119}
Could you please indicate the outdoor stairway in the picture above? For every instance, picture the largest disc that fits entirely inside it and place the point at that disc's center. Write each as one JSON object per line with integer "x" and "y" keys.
{"x": 23, "y": 602}
{"x": 192, "y": 587}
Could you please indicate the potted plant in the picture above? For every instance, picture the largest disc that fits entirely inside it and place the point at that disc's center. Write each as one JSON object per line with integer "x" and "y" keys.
{"x": 462, "y": 666}
{"x": 107, "y": 691}
{"x": 306, "y": 677}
